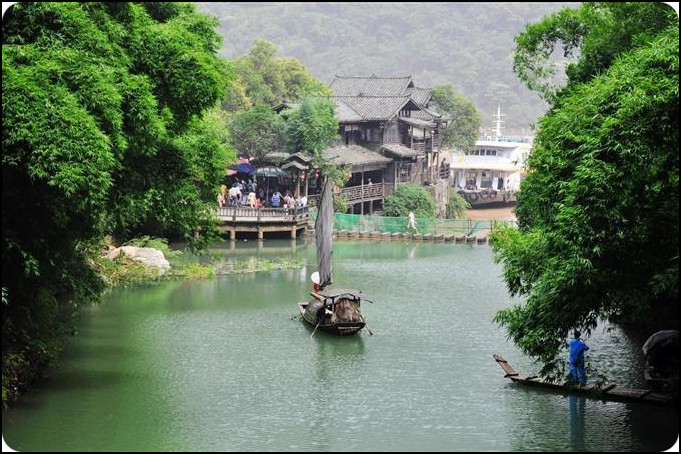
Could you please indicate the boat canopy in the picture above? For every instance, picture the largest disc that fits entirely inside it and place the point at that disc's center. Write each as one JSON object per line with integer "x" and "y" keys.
{"x": 661, "y": 339}
{"x": 335, "y": 294}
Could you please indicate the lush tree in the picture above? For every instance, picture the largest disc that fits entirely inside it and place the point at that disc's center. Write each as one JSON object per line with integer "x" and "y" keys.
{"x": 464, "y": 120}
{"x": 269, "y": 80}
{"x": 257, "y": 132}
{"x": 590, "y": 38}
{"x": 235, "y": 98}
{"x": 457, "y": 206}
{"x": 598, "y": 213}
{"x": 312, "y": 127}
{"x": 410, "y": 197}
{"x": 103, "y": 132}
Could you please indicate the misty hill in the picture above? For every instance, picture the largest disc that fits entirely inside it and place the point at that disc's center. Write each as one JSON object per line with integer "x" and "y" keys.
{"x": 467, "y": 44}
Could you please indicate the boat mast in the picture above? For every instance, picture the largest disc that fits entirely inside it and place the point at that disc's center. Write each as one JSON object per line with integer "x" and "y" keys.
{"x": 499, "y": 122}
{"x": 323, "y": 233}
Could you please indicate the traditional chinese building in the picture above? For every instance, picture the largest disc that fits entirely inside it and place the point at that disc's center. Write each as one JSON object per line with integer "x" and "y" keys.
{"x": 388, "y": 135}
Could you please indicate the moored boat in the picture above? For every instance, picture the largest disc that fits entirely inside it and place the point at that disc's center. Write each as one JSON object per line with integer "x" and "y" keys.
{"x": 493, "y": 171}
{"x": 661, "y": 361}
{"x": 334, "y": 311}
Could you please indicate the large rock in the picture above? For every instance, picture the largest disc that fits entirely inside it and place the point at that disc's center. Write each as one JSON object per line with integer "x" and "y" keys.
{"x": 149, "y": 257}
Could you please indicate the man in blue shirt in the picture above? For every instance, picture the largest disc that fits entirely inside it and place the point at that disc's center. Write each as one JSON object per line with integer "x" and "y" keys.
{"x": 276, "y": 199}
{"x": 576, "y": 362}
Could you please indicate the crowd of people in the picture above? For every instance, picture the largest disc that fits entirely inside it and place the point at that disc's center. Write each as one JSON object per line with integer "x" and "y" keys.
{"x": 247, "y": 193}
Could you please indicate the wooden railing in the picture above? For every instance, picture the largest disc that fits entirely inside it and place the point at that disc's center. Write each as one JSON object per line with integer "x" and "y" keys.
{"x": 355, "y": 194}
{"x": 257, "y": 215}
{"x": 366, "y": 192}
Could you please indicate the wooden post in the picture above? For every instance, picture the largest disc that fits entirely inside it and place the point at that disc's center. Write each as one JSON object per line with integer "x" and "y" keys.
{"x": 361, "y": 189}
{"x": 293, "y": 232}
{"x": 307, "y": 182}
{"x": 260, "y": 233}
{"x": 232, "y": 233}
{"x": 382, "y": 192}
{"x": 297, "y": 194}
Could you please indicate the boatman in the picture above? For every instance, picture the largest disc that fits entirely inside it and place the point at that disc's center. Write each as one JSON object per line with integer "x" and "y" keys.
{"x": 315, "y": 278}
{"x": 576, "y": 362}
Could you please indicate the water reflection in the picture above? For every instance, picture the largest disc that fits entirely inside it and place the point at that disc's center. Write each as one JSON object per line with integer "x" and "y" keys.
{"x": 412, "y": 251}
{"x": 577, "y": 424}
{"x": 338, "y": 361}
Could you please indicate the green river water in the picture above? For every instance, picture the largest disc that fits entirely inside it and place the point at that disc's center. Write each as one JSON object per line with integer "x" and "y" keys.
{"x": 219, "y": 365}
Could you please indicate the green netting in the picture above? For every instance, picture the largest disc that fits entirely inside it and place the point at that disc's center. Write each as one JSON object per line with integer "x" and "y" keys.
{"x": 433, "y": 226}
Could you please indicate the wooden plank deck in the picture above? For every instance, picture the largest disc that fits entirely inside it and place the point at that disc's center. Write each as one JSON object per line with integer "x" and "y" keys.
{"x": 240, "y": 218}
{"x": 610, "y": 392}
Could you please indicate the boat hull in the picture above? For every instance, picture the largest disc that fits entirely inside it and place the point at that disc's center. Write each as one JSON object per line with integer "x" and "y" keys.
{"x": 480, "y": 198}
{"x": 309, "y": 313}
{"x": 610, "y": 392}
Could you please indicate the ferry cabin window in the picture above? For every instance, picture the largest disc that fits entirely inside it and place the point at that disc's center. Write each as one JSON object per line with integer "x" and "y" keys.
{"x": 482, "y": 152}
{"x": 470, "y": 179}
{"x": 486, "y": 180}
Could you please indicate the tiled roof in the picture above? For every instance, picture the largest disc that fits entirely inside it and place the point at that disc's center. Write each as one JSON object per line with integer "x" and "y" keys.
{"x": 372, "y": 107}
{"x": 295, "y": 164}
{"x": 401, "y": 151}
{"x": 346, "y": 114}
{"x": 285, "y": 105}
{"x": 376, "y": 98}
{"x": 417, "y": 122}
{"x": 297, "y": 160}
{"x": 354, "y": 155}
{"x": 300, "y": 156}
{"x": 426, "y": 114}
{"x": 420, "y": 95}
{"x": 370, "y": 86}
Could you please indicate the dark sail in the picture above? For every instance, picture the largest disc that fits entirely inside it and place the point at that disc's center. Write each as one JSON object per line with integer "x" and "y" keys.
{"x": 323, "y": 233}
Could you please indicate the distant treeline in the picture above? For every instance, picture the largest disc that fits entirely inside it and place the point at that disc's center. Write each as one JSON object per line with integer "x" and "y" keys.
{"x": 467, "y": 44}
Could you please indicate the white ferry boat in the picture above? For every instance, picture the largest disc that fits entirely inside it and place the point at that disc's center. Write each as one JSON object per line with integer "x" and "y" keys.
{"x": 493, "y": 171}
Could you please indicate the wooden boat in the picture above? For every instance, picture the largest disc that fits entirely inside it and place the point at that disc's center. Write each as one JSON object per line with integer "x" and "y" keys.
{"x": 334, "y": 311}
{"x": 661, "y": 361}
{"x": 610, "y": 392}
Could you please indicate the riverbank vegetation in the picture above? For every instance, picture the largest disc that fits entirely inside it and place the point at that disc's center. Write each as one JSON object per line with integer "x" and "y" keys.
{"x": 107, "y": 130}
{"x": 598, "y": 214}
{"x": 410, "y": 197}
{"x": 124, "y": 271}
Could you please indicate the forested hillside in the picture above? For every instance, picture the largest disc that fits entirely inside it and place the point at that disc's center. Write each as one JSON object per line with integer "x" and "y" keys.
{"x": 469, "y": 45}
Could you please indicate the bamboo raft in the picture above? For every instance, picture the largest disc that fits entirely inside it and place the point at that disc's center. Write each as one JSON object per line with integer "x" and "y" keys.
{"x": 610, "y": 392}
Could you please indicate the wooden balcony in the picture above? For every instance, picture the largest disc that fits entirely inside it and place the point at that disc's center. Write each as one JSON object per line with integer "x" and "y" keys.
{"x": 355, "y": 194}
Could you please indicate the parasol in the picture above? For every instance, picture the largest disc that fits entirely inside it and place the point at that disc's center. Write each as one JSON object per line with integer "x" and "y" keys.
{"x": 244, "y": 167}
